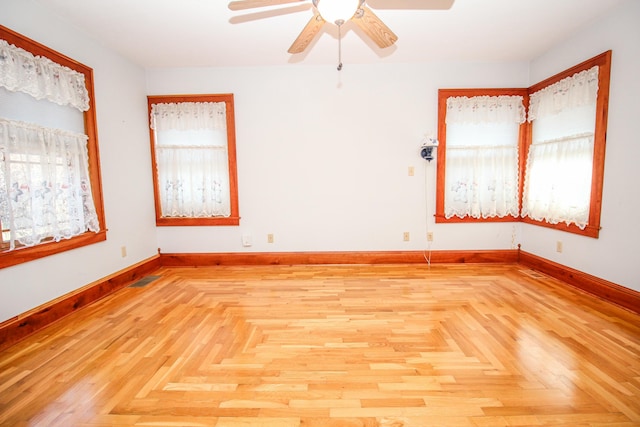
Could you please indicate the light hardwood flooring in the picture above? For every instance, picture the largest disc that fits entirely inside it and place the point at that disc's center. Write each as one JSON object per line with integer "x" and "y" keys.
{"x": 353, "y": 346}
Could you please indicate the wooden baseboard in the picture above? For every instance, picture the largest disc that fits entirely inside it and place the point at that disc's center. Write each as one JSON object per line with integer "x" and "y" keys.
{"x": 18, "y": 328}
{"x": 301, "y": 258}
{"x": 23, "y": 325}
{"x": 608, "y": 291}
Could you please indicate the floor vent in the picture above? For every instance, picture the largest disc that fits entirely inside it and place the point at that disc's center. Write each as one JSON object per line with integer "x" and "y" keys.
{"x": 144, "y": 281}
{"x": 533, "y": 274}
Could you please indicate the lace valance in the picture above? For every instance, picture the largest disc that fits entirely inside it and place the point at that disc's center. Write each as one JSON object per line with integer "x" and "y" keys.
{"x": 572, "y": 92}
{"x": 486, "y": 109}
{"x": 21, "y": 71}
{"x": 189, "y": 116}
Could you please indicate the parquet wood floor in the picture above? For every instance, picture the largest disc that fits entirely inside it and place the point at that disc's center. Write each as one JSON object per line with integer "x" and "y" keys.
{"x": 312, "y": 346}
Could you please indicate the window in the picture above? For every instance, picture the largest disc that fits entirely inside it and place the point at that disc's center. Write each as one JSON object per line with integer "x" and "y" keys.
{"x": 566, "y": 147}
{"x": 480, "y": 131}
{"x": 50, "y": 191}
{"x": 562, "y": 145}
{"x": 194, "y": 159}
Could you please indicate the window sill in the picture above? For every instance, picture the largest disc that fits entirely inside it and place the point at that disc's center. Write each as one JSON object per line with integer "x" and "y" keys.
{"x": 30, "y": 253}
{"x": 589, "y": 230}
{"x": 194, "y": 222}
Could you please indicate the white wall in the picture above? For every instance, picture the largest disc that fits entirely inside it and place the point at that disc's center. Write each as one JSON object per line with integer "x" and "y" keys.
{"x": 614, "y": 254}
{"x": 124, "y": 153}
{"x": 323, "y": 156}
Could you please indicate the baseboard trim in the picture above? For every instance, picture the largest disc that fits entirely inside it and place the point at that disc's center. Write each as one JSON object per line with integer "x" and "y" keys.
{"x": 25, "y": 324}
{"x": 20, "y": 327}
{"x": 603, "y": 289}
{"x": 301, "y": 258}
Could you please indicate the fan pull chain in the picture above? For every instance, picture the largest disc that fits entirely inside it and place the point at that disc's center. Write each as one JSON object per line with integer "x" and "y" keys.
{"x": 339, "y": 23}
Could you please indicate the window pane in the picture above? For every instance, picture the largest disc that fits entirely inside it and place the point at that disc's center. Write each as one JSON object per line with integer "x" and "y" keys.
{"x": 580, "y": 120}
{"x": 25, "y": 108}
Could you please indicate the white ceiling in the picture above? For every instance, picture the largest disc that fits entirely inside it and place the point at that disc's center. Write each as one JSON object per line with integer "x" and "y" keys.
{"x": 204, "y": 33}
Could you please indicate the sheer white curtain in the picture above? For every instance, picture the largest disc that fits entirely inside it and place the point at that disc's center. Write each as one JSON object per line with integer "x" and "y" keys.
{"x": 557, "y": 187}
{"x": 45, "y": 189}
{"x": 192, "y": 159}
{"x": 481, "y": 175}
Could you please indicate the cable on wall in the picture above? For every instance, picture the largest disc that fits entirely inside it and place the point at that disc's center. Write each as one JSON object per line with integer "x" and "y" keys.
{"x": 427, "y": 252}
{"x": 429, "y": 143}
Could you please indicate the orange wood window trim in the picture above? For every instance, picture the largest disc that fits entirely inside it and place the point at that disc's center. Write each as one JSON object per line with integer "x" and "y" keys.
{"x": 443, "y": 95}
{"x": 234, "y": 218}
{"x": 25, "y": 254}
{"x": 603, "y": 61}
{"x": 195, "y": 222}
{"x": 30, "y": 253}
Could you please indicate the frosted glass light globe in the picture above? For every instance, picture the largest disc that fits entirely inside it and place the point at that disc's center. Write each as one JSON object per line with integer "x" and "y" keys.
{"x": 337, "y": 10}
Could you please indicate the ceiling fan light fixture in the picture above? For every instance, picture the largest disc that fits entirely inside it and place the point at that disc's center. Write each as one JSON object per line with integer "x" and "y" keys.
{"x": 337, "y": 11}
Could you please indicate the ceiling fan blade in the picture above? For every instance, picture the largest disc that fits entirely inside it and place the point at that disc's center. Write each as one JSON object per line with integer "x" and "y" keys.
{"x": 411, "y": 4}
{"x": 374, "y": 28}
{"x": 250, "y": 4}
{"x": 307, "y": 34}
{"x": 270, "y": 13}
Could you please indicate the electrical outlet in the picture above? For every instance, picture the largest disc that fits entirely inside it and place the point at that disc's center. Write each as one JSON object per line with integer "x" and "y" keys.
{"x": 559, "y": 246}
{"x": 406, "y": 236}
{"x": 123, "y": 251}
{"x": 429, "y": 236}
{"x": 246, "y": 240}
{"x": 269, "y": 238}
{"x": 412, "y": 171}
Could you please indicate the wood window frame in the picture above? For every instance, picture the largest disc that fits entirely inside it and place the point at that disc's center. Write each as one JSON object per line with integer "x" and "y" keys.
{"x": 443, "y": 95}
{"x": 49, "y": 247}
{"x": 603, "y": 61}
{"x": 234, "y": 218}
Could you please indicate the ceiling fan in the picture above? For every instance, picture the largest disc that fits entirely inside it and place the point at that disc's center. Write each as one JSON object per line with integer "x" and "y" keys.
{"x": 340, "y": 11}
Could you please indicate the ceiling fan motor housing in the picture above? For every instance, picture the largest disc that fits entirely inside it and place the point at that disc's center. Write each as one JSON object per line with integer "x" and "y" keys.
{"x": 338, "y": 11}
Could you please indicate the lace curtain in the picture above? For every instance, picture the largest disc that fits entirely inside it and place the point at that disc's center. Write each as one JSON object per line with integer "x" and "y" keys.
{"x": 45, "y": 190}
{"x": 557, "y": 186}
{"x": 558, "y": 181}
{"x": 575, "y": 91}
{"x": 482, "y": 156}
{"x": 192, "y": 160}
{"x": 189, "y": 116}
{"x": 485, "y": 109}
{"x": 21, "y": 71}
